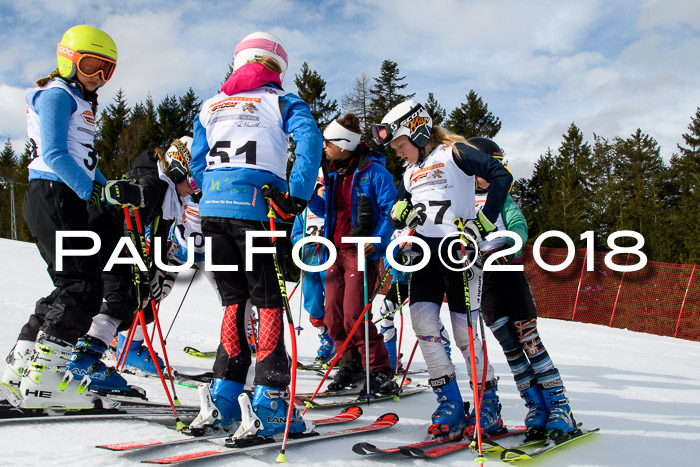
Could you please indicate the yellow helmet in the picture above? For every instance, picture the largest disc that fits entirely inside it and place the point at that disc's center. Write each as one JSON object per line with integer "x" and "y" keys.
{"x": 84, "y": 39}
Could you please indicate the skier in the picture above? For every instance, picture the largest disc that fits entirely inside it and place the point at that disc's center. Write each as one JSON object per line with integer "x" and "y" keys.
{"x": 53, "y": 359}
{"x": 165, "y": 179}
{"x": 239, "y": 159}
{"x": 356, "y": 202}
{"x": 438, "y": 187}
{"x": 397, "y": 294}
{"x": 509, "y": 310}
{"x": 314, "y": 283}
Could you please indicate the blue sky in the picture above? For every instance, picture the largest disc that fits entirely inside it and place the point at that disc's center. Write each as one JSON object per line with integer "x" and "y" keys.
{"x": 609, "y": 66}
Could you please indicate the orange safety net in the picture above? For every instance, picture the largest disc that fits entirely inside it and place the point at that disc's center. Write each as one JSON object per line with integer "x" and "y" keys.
{"x": 661, "y": 298}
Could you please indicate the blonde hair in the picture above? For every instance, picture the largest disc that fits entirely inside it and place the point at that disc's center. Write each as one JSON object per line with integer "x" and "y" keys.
{"x": 44, "y": 81}
{"x": 440, "y": 135}
{"x": 269, "y": 63}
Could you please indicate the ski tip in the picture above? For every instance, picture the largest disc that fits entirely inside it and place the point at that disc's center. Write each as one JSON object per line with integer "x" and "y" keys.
{"x": 364, "y": 448}
{"x": 388, "y": 417}
{"x": 354, "y": 410}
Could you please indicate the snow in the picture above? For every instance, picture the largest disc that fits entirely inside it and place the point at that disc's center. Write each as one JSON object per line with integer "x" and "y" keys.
{"x": 642, "y": 390}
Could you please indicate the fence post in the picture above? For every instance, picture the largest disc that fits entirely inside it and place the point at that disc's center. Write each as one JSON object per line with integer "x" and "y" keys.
{"x": 675, "y": 334}
{"x": 580, "y": 279}
{"x": 619, "y": 288}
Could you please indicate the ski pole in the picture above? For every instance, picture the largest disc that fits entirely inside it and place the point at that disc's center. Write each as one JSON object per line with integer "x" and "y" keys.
{"x": 368, "y": 395}
{"x": 301, "y": 273}
{"x": 408, "y": 365}
{"x": 398, "y": 351}
{"x": 472, "y": 356}
{"x": 181, "y": 302}
{"x": 335, "y": 359}
{"x": 156, "y": 320}
{"x": 392, "y": 312}
{"x": 290, "y": 320}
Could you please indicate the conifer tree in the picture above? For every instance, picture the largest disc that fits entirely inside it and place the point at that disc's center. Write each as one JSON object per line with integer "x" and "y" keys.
{"x": 386, "y": 94}
{"x": 436, "y": 111}
{"x": 311, "y": 89}
{"x": 473, "y": 118}
{"x": 111, "y": 125}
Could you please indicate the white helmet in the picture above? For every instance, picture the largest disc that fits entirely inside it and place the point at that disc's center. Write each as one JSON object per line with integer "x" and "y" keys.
{"x": 409, "y": 118}
{"x": 257, "y": 45}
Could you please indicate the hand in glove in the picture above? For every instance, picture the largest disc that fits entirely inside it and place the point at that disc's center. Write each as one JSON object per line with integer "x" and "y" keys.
{"x": 478, "y": 228}
{"x": 124, "y": 193}
{"x": 97, "y": 194}
{"x": 403, "y": 211}
{"x": 285, "y": 205}
{"x": 364, "y": 215}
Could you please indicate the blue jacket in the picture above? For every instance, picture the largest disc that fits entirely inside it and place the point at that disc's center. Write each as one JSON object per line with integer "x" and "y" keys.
{"x": 55, "y": 107}
{"x": 236, "y": 186}
{"x": 369, "y": 179}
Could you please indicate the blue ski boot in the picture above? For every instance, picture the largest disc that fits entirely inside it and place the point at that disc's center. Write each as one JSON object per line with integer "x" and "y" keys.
{"x": 490, "y": 413}
{"x": 138, "y": 360}
{"x": 536, "y": 417}
{"x": 270, "y": 407}
{"x": 85, "y": 360}
{"x": 449, "y": 418}
{"x": 560, "y": 420}
{"x": 219, "y": 406}
{"x": 326, "y": 350}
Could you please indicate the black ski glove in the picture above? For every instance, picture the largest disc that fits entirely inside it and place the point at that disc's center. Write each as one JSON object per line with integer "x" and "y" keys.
{"x": 285, "y": 205}
{"x": 97, "y": 194}
{"x": 365, "y": 210}
{"x": 123, "y": 193}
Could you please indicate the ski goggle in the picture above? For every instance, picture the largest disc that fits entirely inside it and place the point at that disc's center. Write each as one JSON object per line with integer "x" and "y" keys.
{"x": 382, "y": 134}
{"x": 89, "y": 64}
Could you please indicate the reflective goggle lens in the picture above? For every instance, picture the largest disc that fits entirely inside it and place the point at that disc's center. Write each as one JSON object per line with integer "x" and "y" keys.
{"x": 381, "y": 134}
{"x": 90, "y": 65}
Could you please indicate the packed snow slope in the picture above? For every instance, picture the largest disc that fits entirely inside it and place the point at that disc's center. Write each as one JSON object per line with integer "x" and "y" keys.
{"x": 642, "y": 390}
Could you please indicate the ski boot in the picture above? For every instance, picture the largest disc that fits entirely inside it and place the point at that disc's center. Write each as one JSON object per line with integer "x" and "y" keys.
{"x": 449, "y": 418}
{"x": 85, "y": 360}
{"x": 536, "y": 417}
{"x": 388, "y": 331}
{"x": 560, "y": 420}
{"x": 326, "y": 350}
{"x": 48, "y": 383}
{"x": 138, "y": 360}
{"x": 381, "y": 383}
{"x": 266, "y": 416}
{"x": 219, "y": 407}
{"x": 346, "y": 378}
{"x": 490, "y": 412}
{"x": 17, "y": 360}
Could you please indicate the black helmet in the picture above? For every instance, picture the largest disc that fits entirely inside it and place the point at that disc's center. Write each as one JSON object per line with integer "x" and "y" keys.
{"x": 487, "y": 146}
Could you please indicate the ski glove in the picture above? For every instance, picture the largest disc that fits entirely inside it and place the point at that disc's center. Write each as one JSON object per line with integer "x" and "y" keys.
{"x": 177, "y": 171}
{"x": 285, "y": 205}
{"x": 364, "y": 216}
{"x": 480, "y": 227}
{"x": 97, "y": 194}
{"x": 124, "y": 193}
{"x": 403, "y": 211}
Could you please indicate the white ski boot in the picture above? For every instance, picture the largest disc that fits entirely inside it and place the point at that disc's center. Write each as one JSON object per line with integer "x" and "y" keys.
{"x": 47, "y": 384}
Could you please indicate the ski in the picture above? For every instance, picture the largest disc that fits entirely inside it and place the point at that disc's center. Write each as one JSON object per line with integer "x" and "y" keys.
{"x": 446, "y": 447}
{"x": 197, "y": 353}
{"x": 385, "y": 421}
{"x": 347, "y": 415}
{"x": 322, "y": 372}
{"x": 514, "y": 455}
{"x": 301, "y": 400}
{"x": 352, "y": 391}
{"x": 146, "y": 410}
